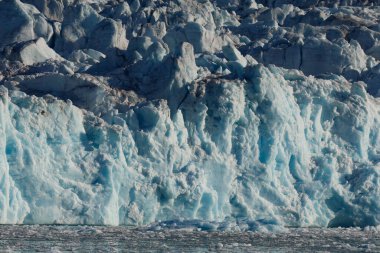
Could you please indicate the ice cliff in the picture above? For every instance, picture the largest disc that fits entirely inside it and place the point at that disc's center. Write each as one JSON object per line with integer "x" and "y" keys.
{"x": 256, "y": 113}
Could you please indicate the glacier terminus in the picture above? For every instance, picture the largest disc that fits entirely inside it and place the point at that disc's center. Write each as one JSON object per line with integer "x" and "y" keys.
{"x": 253, "y": 114}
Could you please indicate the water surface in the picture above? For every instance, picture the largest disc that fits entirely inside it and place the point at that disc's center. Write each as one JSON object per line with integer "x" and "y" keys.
{"x": 35, "y": 238}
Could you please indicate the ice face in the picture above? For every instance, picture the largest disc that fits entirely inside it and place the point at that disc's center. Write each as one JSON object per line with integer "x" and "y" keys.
{"x": 139, "y": 112}
{"x": 278, "y": 147}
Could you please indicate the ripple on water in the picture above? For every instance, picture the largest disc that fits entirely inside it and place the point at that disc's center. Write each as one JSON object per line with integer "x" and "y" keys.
{"x": 119, "y": 239}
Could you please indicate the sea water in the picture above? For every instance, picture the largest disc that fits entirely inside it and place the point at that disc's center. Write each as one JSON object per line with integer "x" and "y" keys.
{"x": 50, "y": 238}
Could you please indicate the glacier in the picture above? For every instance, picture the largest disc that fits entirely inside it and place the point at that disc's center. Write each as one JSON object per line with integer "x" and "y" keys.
{"x": 260, "y": 113}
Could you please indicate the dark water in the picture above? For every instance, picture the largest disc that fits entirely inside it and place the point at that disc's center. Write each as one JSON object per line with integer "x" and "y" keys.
{"x": 122, "y": 239}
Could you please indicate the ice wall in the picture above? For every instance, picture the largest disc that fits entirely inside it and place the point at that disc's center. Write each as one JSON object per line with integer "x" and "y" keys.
{"x": 277, "y": 147}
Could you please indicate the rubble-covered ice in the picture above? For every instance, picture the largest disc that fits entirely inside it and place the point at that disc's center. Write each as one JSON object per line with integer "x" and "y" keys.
{"x": 261, "y": 114}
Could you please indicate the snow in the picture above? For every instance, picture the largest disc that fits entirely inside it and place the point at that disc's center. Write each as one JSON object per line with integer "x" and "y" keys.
{"x": 143, "y": 112}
